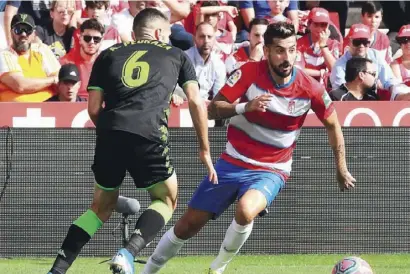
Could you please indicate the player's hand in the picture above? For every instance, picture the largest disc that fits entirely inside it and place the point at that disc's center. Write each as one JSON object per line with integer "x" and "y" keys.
{"x": 259, "y": 103}
{"x": 207, "y": 161}
{"x": 345, "y": 180}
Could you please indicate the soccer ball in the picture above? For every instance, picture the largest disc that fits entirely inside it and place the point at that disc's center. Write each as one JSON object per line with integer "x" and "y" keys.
{"x": 352, "y": 265}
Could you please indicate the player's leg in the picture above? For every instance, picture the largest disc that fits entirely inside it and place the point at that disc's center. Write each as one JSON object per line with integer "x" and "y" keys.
{"x": 208, "y": 201}
{"x": 257, "y": 192}
{"x": 109, "y": 171}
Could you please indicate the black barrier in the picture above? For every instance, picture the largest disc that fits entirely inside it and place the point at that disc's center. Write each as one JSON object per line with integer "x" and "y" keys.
{"x": 51, "y": 185}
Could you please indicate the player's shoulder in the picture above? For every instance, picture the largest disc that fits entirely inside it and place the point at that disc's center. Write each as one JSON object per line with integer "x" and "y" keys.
{"x": 309, "y": 84}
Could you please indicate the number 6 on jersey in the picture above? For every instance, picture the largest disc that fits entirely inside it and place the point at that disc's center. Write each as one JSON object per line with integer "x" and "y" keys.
{"x": 135, "y": 73}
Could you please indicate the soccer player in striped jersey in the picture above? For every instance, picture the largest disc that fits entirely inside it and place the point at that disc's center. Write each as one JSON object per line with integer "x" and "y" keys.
{"x": 274, "y": 99}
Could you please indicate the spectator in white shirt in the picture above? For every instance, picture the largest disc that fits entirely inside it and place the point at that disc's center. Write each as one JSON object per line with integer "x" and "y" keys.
{"x": 123, "y": 20}
{"x": 210, "y": 70}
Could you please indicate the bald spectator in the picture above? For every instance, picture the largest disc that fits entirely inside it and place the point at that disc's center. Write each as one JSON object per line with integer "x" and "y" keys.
{"x": 209, "y": 68}
{"x": 28, "y": 71}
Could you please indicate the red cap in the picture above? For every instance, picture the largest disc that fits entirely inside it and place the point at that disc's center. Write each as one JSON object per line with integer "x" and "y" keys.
{"x": 319, "y": 15}
{"x": 404, "y": 31}
{"x": 359, "y": 31}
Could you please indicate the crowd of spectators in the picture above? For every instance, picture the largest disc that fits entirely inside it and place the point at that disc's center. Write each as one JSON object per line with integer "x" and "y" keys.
{"x": 47, "y": 48}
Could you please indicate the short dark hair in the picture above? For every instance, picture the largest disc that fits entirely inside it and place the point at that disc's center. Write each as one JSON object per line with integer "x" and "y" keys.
{"x": 97, "y": 4}
{"x": 354, "y": 66}
{"x": 92, "y": 24}
{"x": 281, "y": 30}
{"x": 258, "y": 21}
{"x": 371, "y": 7}
{"x": 210, "y": 4}
{"x": 145, "y": 17}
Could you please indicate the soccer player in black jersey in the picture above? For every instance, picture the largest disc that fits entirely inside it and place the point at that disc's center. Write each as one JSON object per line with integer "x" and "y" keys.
{"x": 135, "y": 82}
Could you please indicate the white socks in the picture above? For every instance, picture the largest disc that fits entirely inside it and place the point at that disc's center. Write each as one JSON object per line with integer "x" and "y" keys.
{"x": 235, "y": 237}
{"x": 167, "y": 248}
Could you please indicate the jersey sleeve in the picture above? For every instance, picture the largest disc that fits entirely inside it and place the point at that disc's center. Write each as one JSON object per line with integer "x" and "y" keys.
{"x": 187, "y": 72}
{"x": 9, "y": 62}
{"x": 98, "y": 75}
{"x": 322, "y": 104}
{"x": 239, "y": 82}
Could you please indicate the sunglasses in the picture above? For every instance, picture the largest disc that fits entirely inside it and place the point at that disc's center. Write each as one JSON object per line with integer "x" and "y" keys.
{"x": 403, "y": 40}
{"x": 359, "y": 42}
{"x": 88, "y": 38}
{"x": 20, "y": 29}
{"x": 372, "y": 73}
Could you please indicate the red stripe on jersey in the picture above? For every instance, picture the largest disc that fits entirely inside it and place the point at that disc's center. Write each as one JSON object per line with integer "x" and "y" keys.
{"x": 243, "y": 164}
{"x": 275, "y": 121}
{"x": 256, "y": 150}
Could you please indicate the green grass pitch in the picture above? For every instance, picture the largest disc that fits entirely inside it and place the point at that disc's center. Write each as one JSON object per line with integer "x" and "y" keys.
{"x": 278, "y": 264}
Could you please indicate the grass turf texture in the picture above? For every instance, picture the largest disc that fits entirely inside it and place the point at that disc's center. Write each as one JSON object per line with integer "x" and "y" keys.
{"x": 278, "y": 264}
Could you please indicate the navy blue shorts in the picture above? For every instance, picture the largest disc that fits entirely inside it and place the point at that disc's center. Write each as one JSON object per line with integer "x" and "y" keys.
{"x": 233, "y": 183}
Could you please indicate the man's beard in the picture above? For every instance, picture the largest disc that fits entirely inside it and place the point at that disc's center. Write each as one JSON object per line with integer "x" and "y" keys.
{"x": 88, "y": 53}
{"x": 277, "y": 69}
{"x": 21, "y": 46}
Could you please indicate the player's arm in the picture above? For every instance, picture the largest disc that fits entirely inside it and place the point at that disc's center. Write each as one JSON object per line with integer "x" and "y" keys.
{"x": 224, "y": 106}
{"x": 323, "y": 107}
{"x": 96, "y": 86}
{"x": 189, "y": 83}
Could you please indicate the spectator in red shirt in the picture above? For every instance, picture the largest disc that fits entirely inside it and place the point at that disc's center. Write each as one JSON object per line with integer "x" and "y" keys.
{"x": 90, "y": 41}
{"x": 401, "y": 66}
{"x": 252, "y": 53}
{"x": 318, "y": 53}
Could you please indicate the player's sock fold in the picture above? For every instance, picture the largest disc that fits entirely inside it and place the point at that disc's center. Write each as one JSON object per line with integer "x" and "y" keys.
{"x": 148, "y": 225}
{"x": 235, "y": 237}
{"x": 167, "y": 248}
{"x": 79, "y": 233}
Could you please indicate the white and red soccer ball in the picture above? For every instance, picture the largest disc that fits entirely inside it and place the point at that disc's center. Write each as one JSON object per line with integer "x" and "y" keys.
{"x": 352, "y": 265}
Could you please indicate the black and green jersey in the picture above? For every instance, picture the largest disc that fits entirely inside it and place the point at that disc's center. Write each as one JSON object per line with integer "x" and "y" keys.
{"x": 137, "y": 80}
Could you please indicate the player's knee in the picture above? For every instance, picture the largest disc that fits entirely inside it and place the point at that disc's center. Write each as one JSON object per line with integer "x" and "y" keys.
{"x": 245, "y": 213}
{"x": 186, "y": 228}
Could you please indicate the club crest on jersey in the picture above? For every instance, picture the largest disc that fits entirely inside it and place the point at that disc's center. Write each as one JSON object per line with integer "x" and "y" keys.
{"x": 234, "y": 78}
{"x": 292, "y": 107}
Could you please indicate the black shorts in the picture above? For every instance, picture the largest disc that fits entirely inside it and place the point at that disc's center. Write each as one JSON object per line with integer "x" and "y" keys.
{"x": 148, "y": 162}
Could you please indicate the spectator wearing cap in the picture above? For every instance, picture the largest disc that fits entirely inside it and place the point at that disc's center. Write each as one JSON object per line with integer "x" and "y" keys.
{"x": 90, "y": 41}
{"x": 401, "y": 66}
{"x": 372, "y": 15}
{"x": 359, "y": 46}
{"x": 28, "y": 71}
{"x": 39, "y": 10}
{"x": 317, "y": 52}
{"x": 253, "y": 52}
{"x": 3, "y": 40}
{"x": 58, "y": 33}
{"x": 360, "y": 80}
{"x": 68, "y": 85}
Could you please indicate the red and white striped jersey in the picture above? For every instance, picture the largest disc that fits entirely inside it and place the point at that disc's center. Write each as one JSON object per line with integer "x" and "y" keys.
{"x": 266, "y": 140}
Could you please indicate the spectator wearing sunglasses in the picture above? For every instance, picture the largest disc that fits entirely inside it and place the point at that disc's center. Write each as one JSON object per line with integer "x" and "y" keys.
{"x": 91, "y": 34}
{"x": 58, "y": 33}
{"x": 401, "y": 66}
{"x": 360, "y": 80}
{"x": 28, "y": 71}
{"x": 359, "y": 46}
